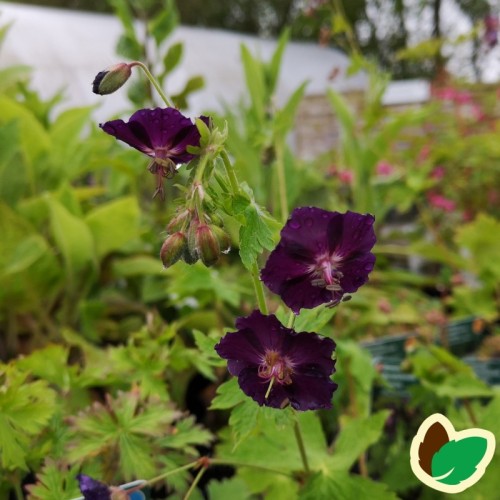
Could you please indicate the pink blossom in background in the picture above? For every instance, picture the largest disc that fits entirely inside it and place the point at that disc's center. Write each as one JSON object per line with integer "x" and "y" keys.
{"x": 441, "y": 202}
{"x": 468, "y": 216}
{"x": 384, "y": 168}
{"x": 424, "y": 152}
{"x": 454, "y": 95}
{"x": 438, "y": 172}
{"x": 346, "y": 176}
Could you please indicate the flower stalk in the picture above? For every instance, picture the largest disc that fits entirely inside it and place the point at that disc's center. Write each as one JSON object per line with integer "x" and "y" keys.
{"x": 153, "y": 81}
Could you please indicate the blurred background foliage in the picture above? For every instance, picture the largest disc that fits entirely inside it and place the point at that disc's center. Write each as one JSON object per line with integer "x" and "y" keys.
{"x": 107, "y": 359}
{"x": 383, "y": 29}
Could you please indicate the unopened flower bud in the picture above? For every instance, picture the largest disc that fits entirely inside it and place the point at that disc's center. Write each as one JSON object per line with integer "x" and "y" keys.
{"x": 223, "y": 239}
{"x": 111, "y": 79}
{"x": 181, "y": 218}
{"x": 190, "y": 255}
{"x": 207, "y": 245}
{"x": 173, "y": 248}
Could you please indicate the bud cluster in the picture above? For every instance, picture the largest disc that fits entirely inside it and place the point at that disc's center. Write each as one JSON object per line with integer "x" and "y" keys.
{"x": 192, "y": 239}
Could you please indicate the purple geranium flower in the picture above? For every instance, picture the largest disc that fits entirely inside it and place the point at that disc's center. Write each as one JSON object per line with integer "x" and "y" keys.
{"x": 277, "y": 366}
{"x": 92, "y": 489}
{"x": 321, "y": 256}
{"x": 163, "y": 134}
{"x": 95, "y": 490}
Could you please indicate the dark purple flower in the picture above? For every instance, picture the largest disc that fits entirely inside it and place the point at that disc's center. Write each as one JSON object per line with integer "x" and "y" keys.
{"x": 163, "y": 134}
{"x": 92, "y": 489}
{"x": 321, "y": 256}
{"x": 295, "y": 366}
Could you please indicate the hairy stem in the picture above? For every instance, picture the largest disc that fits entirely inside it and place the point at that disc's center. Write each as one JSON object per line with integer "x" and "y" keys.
{"x": 195, "y": 482}
{"x": 302, "y": 449}
{"x": 230, "y": 173}
{"x": 218, "y": 461}
{"x": 259, "y": 289}
{"x": 152, "y": 79}
{"x": 280, "y": 167}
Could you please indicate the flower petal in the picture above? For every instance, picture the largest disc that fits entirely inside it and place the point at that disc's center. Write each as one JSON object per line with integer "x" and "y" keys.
{"x": 356, "y": 272}
{"x": 92, "y": 489}
{"x": 256, "y": 388}
{"x": 351, "y": 233}
{"x": 310, "y": 393}
{"x": 304, "y": 234}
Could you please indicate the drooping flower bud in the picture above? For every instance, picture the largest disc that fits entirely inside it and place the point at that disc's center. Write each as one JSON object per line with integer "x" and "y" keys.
{"x": 207, "y": 245}
{"x": 181, "y": 218}
{"x": 191, "y": 255}
{"x": 223, "y": 239}
{"x": 173, "y": 248}
{"x": 111, "y": 79}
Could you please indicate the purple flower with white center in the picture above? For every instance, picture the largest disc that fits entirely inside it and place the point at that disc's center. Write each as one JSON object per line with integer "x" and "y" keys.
{"x": 162, "y": 134}
{"x": 321, "y": 257}
{"x": 277, "y": 366}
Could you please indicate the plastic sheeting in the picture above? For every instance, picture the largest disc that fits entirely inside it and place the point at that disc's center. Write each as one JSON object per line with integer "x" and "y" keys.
{"x": 67, "y": 49}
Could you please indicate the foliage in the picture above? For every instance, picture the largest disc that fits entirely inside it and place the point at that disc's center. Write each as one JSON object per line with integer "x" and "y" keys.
{"x": 109, "y": 365}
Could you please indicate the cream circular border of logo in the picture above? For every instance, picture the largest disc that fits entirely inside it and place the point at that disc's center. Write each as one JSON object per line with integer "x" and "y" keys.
{"x": 423, "y": 451}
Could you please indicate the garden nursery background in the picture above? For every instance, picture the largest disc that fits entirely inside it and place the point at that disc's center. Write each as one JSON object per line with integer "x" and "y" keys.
{"x": 115, "y": 306}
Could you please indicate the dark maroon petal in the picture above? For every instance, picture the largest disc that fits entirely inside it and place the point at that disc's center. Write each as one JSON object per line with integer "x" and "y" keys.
{"x": 356, "y": 272}
{"x": 241, "y": 349}
{"x": 308, "y": 392}
{"x": 92, "y": 489}
{"x": 311, "y": 350}
{"x": 162, "y": 132}
{"x": 256, "y": 388}
{"x": 300, "y": 294}
{"x": 161, "y": 125}
{"x": 134, "y": 136}
{"x": 304, "y": 234}
{"x": 351, "y": 233}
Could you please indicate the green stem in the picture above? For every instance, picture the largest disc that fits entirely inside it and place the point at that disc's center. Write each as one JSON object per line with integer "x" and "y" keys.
{"x": 302, "y": 449}
{"x": 171, "y": 472}
{"x": 259, "y": 289}
{"x": 291, "y": 320}
{"x": 280, "y": 167}
{"x": 195, "y": 482}
{"x": 152, "y": 79}
{"x": 19, "y": 491}
{"x": 470, "y": 411}
{"x": 230, "y": 173}
{"x": 218, "y": 461}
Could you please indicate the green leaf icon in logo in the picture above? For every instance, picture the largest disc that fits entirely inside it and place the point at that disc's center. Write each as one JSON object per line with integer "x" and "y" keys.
{"x": 456, "y": 461}
{"x": 448, "y": 460}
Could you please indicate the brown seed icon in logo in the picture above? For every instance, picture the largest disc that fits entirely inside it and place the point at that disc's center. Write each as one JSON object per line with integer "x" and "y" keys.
{"x": 435, "y": 437}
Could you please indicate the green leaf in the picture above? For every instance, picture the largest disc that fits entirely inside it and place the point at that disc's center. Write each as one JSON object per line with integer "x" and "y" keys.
{"x": 228, "y": 395}
{"x": 480, "y": 238}
{"x": 457, "y": 460}
{"x": 173, "y": 56}
{"x": 138, "y": 265}
{"x": 285, "y": 117}
{"x": 272, "y": 445}
{"x": 114, "y": 224}
{"x": 255, "y": 235}
{"x": 74, "y": 240}
{"x": 54, "y": 482}
{"x": 228, "y": 489}
{"x": 25, "y": 409}
{"x": 164, "y": 23}
{"x": 355, "y": 437}
{"x": 274, "y": 66}
{"x": 29, "y": 250}
{"x": 254, "y": 76}
{"x": 243, "y": 420}
{"x": 34, "y": 138}
{"x": 343, "y": 485}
